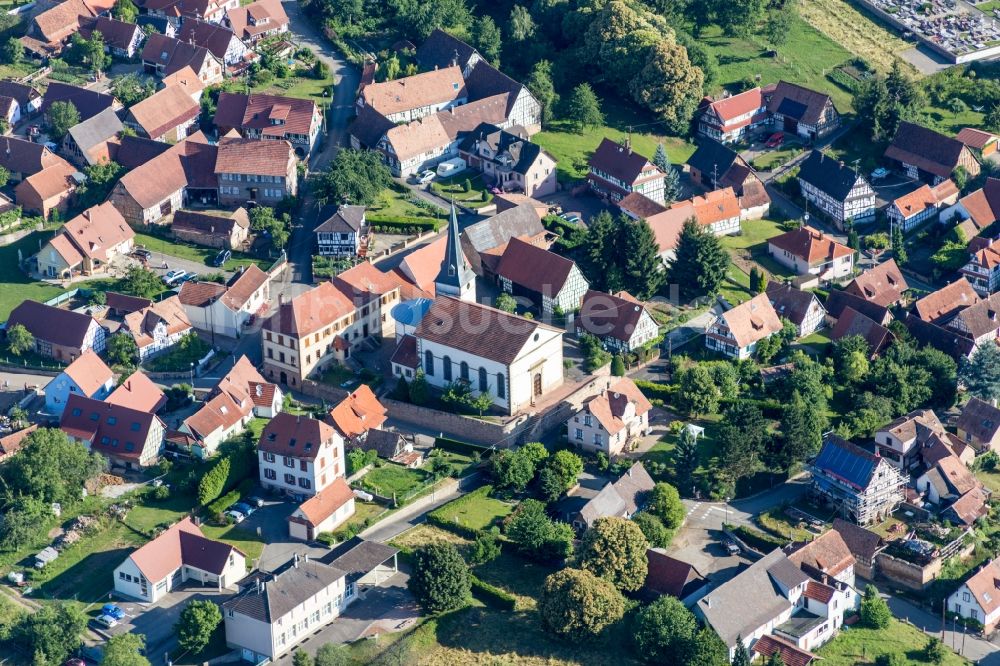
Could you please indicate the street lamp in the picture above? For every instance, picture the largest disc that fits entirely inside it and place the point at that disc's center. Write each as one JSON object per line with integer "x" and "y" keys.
{"x": 192, "y": 375}
{"x": 727, "y": 510}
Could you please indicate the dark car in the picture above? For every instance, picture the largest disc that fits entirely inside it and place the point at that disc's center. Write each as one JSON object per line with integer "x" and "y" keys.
{"x": 142, "y": 253}
{"x": 221, "y": 258}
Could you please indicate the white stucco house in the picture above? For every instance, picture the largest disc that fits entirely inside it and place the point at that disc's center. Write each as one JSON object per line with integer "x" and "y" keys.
{"x": 299, "y": 456}
{"x": 611, "y": 420}
{"x": 978, "y": 598}
{"x": 323, "y": 512}
{"x": 225, "y": 309}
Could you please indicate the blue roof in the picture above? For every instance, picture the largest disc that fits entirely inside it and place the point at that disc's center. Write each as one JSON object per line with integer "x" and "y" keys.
{"x": 409, "y": 313}
{"x": 846, "y": 461}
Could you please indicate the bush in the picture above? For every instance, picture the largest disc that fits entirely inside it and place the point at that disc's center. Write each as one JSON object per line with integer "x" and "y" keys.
{"x": 757, "y": 539}
{"x": 160, "y": 493}
{"x": 223, "y": 503}
{"x": 441, "y": 580}
{"x": 875, "y": 613}
{"x": 396, "y": 224}
{"x": 457, "y": 446}
{"x": 655, "y": 390}
{"x": 492, "y": 595}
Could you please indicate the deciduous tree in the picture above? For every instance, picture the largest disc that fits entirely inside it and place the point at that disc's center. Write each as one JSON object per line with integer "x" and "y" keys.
{"x": 698, "y": 394}
{"x": 440, "y": 579}
{"x": 19, "y": 340}
{"x": 665, "y": 502}
{"x": 52, "y": 633}
{"x": 51, "y": 468}
{"x": 583, "y": 109}
{"x": 197, "y": 622}
{"x": 875, "y": 613}
{"x": 122, "y": 349}
{"x": 576, "y": 605}
{"x": 653, "y": 529}
{"x": 615, "y": 549}
{"x": 125, "y": 650}
{"x": 540, "y": 84}
{"x": 142, "y": 282}
{"x": 669, "y": 85}
{"x": 665, "y": 632}
{"x": 355, "y": 176}
{"x": 488, "y": 40}
{"x": 13, "y": 51}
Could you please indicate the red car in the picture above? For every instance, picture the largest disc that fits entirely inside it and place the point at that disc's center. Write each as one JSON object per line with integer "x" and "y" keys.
{"x": 775, "y": 140}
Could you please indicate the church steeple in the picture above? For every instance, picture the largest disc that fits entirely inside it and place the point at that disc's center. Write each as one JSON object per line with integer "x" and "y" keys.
{"x": 455, "y": 277}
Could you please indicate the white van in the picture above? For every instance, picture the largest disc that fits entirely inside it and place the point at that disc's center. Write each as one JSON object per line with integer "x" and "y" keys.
{"x": 450, "y": 167}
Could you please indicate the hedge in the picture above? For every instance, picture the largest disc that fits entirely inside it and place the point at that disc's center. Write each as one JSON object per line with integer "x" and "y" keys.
{"x": 403, "y": 222}
{"x": 843, "y": 79}
{"x": 492, "y": 595}
{"x": 655, "y": 389}
{"x": 756, "y": 539}
{"x": 457, "y": 446}
{"x": 772, "y": 409}
{"x": 437, "y": 517}
{"x": 223, "y": 503}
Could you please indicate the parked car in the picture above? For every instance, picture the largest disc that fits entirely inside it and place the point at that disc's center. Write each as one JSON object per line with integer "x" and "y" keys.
{"x": 142, "y": 253}
{"x": 880, "y": 173}
{"x": 451, "y": 167}
{"x": 255, "y": 501}
{"x": 112, "y": 610}
{"x": 731, "y": 547}
{"x": 174, "y": 275}
{"x": 244, "y": 508}
{"x": 106, "y": 621}
{"x": 775, "y": 140}
{"x": 221, "y": 258}
{"x": 190, "y": 277}
{"x": 424, "y": 177}
{"x": 236, "y": 516}
{"x": 572, "y": 218}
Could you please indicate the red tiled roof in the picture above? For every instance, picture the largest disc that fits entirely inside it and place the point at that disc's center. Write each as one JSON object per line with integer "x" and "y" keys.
{"x": 295, "y": 436}
{"x": 326, "y": 502}
{"x": 883, "y": 284}
{"x": 737, "y": 105}
{"x": 89, "y": 372}
{"x": 138, "y": 392}
{"x": 165, "y": 110}
{"x": 609, "y": 407}
{"x": 111, "y": 429}
{"x": 790, "y": 654}
{"x": 245, "y": 112}
{"x": 359, "y": 412}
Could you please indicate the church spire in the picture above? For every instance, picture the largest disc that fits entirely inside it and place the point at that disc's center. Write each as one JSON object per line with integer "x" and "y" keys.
{"x": 455, "y": 277}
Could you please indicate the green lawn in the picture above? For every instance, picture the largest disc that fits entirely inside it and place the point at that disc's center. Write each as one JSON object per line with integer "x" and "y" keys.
{"x": 753, "y": 233}
{"x": 990, "y": 479}
{"x": 189, "y": 350}
{"x": 818, "y": 341}
{"x": 769, "y": 160}
{"x": 736, "y": 286}
{"x": 202, "y": 255}
{"x": 400, "y": 204}
{"x": 83, "y": 571}
{"x": 391, "y": 479}
{"x": 663, "y": 451}
{"x": 248, "y": 542}
{"x": 454, "y": 188}
{"x": 572, "y": 150}
{"x": 805, "y": 58}
{"x": 15, "y": 286}
{"x": 863, "y": 646}
{"x": 857, "y": 146}
{"x": 304, "y": 87}
{"x": 475, "y": 511}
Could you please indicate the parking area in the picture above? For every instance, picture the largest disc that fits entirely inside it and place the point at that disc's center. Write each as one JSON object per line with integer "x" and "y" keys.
{"x": 270, "y": 523}
{"x": 586, "y": 205}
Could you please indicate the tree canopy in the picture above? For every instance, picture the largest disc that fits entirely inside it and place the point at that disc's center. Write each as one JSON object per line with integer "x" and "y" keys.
{"x": 700, "y": 262}
{"x": 615, "y": 549}
{"x": 440, "y": 578}
{"x": 355, "y": 177}
{"x": 577, "y": 605}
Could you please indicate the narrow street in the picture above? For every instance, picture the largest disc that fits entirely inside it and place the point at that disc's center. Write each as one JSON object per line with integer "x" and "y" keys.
{"x": 979, "y": 650}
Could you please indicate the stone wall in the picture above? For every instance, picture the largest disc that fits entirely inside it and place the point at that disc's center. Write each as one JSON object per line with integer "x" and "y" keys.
{"x": 906, "y": 574}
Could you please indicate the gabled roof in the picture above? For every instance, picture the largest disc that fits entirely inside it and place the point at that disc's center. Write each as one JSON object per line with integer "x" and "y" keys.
{"x": 608, "y": 407}
{"x": 633, "y": 485}
{"x": 97, "y": 230}
{"x": 24, "y": 93}
{"x": 174, "y": 55}
{"x": 63, "y": 19}
{"x": 811, "y": 245}
{"x": 243, "y": 286}
{"x": 296, "y": 436}
{"x": 212, "y": 36}
{"x": 64, "y": 248}
{"x": 135, "y": 151}
{"x": 985, "y": 586}
{"x": 640, "y": 206}
{"x": 790, "y": 303}
{"x": 310, "y": 311}
{"x": 980, "y": 419}
{"x": 341, "y": 219}
{"x": 610, "y": 315}
{"x": 116, "y": 34}
{"x": 883, "y": 284}
{"x": 497, "y": 230}
{"x": 363, "y": 283}
{"x": 713, "y": 158}
{"x": 668, "y": 575}
{"x": 138, "y": 392}
{"x": 164, "y": 110}
{"x": 925, "y": 149}
{"x": 791, "y": 654}
{"x": 862, "y": 543}
{"x": 829, "y": 175}
{"x": 838, "y": 300}
{"x": 326, "y": 502}
{"x": 509, "y": 333}
{"x": 946, "y": 301}
{"x": 947, "y": 340}
{"x": 254, "y": 112}
{"x": 88, "y": 103}
{"x": 247, "y": 20}
{"x": 534, "y": 268}
{"x": 975, "y": 138}
{"x": 267, "y": 597}
{"x": 114, "y": 430}
{"x": 92, "y": 135}
{"x": 826, "y": 554}
{"x": 427, "y": 89}
{"x": 716, "y": 206}
{"x": 56, "y": 325}
{"x": 846, "y": 461}
{"x": 359, "y": 412}
{"x": 983, "y": 205}
{"x": 182, "y": 544}
{"x": 979, "y": 319}
{"x": 89, "y": 372}
{"x": 20, "y": 156}
{"x": 621, "y": 162}
{"x": 752, "y": 320}
{"x": 188, "y": 163}
{"x": 802, "y": 104}
{"x": 142, "y": 324}
{"x": 249, "y": 156}
{"x": 504, "y": 143}
{"x": 357, "y": 557}
{"x": 734, "y": 106}
{"x": 851, "y": 322}
{"x": 442, "y": 50}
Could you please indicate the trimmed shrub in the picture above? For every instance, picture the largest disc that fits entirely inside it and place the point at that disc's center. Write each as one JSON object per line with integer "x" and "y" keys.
{"x": 655, "y": 389}
{"x": 756, "y": 539}
{"x": 397, "y": 224}
{"x": 492, "y": 595}
{"x": 223, "y": 503}
{"x": 457, "y": 446}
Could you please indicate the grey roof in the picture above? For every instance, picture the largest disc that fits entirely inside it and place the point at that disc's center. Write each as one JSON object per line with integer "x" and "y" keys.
{"x": 748, "y": 601}
{"x": 280, "y": 592}
{"x": 441, "y": 49}
{"x": 791, "y": 303}
{"x": 358, "y": 557}
{"x": 383, "y": 442}
{"x": 455, "y": 269}
{"x": 522, "y": 152}
{"x": 829, "y": 175}
{"x": 95, "y": 130}
{"x": 785, "y": 572}
{"x": 495, "y": 231}
{"x": 800, "y": 623}
{"x": 343, "y": 219}
{"x": 607, "y": 503}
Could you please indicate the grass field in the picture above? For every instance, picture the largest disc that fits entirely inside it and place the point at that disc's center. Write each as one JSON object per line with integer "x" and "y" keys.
{"x": 251, "y": 544}
{"x": 454, "y": 188}
{"x": 397, "y": 204}
{"x": 391, "y": 479}
{"x": 663, "y": 451}
{"x": 863, "y": 646}
{"x": 201, "y": 255}
{"x": 805, "y": 58}
{"x": 15, "y": 286}
{"x": 852, "y": 29}
{"x": 736, "y": 286}
{"x": 818, "y": 341}
{"x": 475, "y": 511}
{"x": 753, "y": 235}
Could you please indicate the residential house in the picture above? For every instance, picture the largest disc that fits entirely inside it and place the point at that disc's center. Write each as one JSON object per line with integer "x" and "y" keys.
{"x": 187, "y": 79}
{"x": 979, "y": 425}
{"x": 884, "y": 284}
{"x": 736, "y": 332}
{"x": 29, "y": 100}
{"x": 343, "y": 232}
{"x": 237, "y": 398}
{"x": 808, "y": 251}
{"x": 611, "y": 421}
{"x": 552, "y": 282}
{"x": 261, "y": 171}
{"x": 798, "y": 110}
{"x": 851, "y": 323}
{"x": 13, "y": 442}
{"x": 864, "y": 486}
{"x": 10, "y": 111}
{"x": 838, "y": 191}
{"x": 374, "y": 294}
{"x": 390, "y": 445}
{"x": 948, "y": 485}
{"x": 483, "y": 243}
{"x": 158, "y": 327}
{"x": 261, "y": 116}
{"x": 323, "y": 512}
{"x": 51, "y": 29}
{"x": 621, "y": 322}
{"x": 88, "y": 103}
{"x": 975, "y": 211}
{"x": 128, "y": 437}
{"x": 940, "y": 306}
{"x": 413, "y": 97}
{"x": 87, "y": 244}
{"x": 166, "y": 115}
{"x": 983, "y": 268}
{"x": 60, "y": 334}
{"x": 714, "y": 166}
{"x": 178, "y": 11}
{"x": 943, "y": 339}
{"x": 922, "y": 153}
{"x": 220, "y": 41}
{"x": 121, "y": 39}
{"x": 91, "y": 142}
{"x": 119, "y": 304}
{"x": 839, "y": 300}
{"x": 163, "y": 56}
{"x": 134, "y": 151}
{"x": 978, "y": 598}
{"x": 786, "y": 650}
{"x": 827, "y": 555}
{"x": 137, "y": 391}
{"x": 622, "y": 498}
{"x": 212, "y": 229}
{"x": 356, "y": 415}
{"x": 257, "y": 20}
{"x": 22, "y": 158}
{"x": 802, "y": 308}
{"x": 87, "y": 376}
{"x": 900, "y": 442}
{"x": 615, "y": 170}
{"x": 774, "y": 600}
{"x": 666, "y": 575}
{"x": 979, "y": 322}
{"x": 299, "y": 456}
{"x": 718, "y": 211}
{"x": 729, "y": 119}
{"x": 440, "y": 49}
{"x": 517, "y": 364}
{"x": 275, "y": 611}
{"x": 179, "y": 554}
{"x": 509, "y": 161}
{"x": 863, "y": 544}
{"x": 51, "y": 189}
{"x": 913, "y": 209}
{"x": 980, "y": 142}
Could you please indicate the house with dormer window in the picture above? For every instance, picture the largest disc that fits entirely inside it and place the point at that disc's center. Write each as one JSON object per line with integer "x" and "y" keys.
{"x": 343, "y": 232}
{"x": 735, "y": 333}
{"x": 837, "y": 190}
{"x": 257, "y": 20}
{"x": 610, "y": 421}
{"x": 157, "y": 327}
{"x": 270, "y": 117}
{"x": 299, "y": 456}
{"x": 616, "y": 170}
{"x": 864, "y": 486}
{"x": 978, "y": 598}
{"x": 128, "y": 437}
